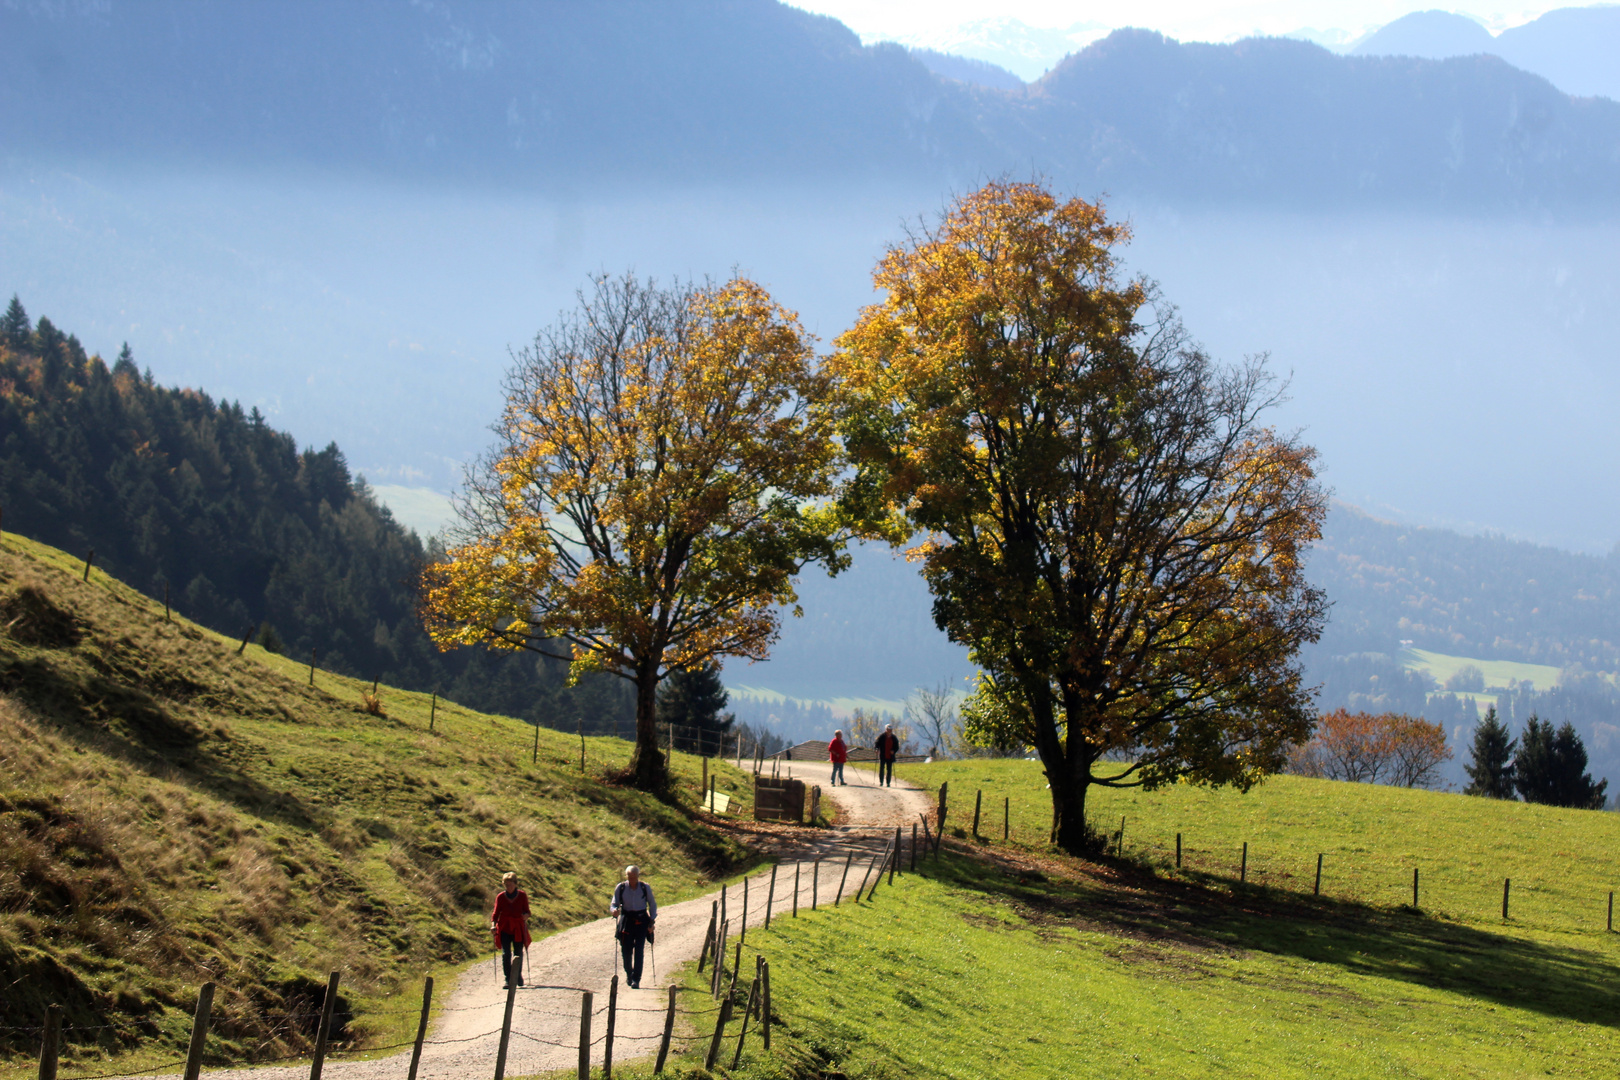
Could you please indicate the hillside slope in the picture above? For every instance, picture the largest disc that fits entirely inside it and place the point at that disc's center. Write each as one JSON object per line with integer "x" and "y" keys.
{"x": 173, "y": 812}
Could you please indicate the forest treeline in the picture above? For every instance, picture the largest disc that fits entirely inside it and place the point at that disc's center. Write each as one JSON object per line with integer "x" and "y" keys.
{"x": 183, "y": 496}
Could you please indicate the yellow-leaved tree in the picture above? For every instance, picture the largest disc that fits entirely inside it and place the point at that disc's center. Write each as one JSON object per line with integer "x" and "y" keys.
{"x": 1105, "y": 522}
{"x": 663, "y": 473}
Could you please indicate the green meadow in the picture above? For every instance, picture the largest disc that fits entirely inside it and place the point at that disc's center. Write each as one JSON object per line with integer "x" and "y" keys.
{"x": 1006, "y": 960}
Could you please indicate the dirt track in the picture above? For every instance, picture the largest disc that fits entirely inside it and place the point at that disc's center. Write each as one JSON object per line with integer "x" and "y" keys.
{"x": 546, "y": 1016}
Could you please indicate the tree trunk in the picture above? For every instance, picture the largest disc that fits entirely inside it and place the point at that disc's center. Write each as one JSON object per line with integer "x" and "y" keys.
{"x": 648, "y": 768}
{"x": 1069, "y": 809}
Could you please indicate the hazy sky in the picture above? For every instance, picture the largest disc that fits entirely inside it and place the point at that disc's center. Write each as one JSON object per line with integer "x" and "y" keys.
{"x": 1187, "y": 20}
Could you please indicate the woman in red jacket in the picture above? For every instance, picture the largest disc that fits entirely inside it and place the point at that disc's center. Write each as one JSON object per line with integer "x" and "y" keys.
{"x": 838, "y": 753}
{"x": 510, "y": 924}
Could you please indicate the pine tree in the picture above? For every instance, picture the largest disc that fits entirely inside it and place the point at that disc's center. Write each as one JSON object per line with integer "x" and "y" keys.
{"x": 15, "y": 327}
{"x": 1491, "y": 770}
{"x": 125, "y": 362}
{"x": 1550, "y": 767}
{"x": 1572, "y": 784}
{"x": 692, "y": 700}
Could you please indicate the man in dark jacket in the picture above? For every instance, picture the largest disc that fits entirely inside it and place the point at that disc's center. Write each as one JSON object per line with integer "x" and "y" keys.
{"x": 509, "y": 922}
{"x": 888, "y": 748}
{"x": 637, "y": 911}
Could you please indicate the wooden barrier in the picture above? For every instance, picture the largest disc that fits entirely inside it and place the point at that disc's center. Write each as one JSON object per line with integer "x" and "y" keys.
{"x": 421, "y": 1027}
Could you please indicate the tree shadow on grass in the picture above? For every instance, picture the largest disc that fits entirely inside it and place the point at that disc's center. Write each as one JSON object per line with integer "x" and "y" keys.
{"x": 1403, "y": 944}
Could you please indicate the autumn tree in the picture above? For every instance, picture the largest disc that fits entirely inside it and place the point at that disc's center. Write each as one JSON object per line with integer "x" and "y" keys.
{"x": 653, "y": 493}
{"x": 1105, "y": 521}
{"x": 1368, "y": 748}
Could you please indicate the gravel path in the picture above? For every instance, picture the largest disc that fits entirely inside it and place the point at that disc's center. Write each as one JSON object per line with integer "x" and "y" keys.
{"x": 546, "y": 1013}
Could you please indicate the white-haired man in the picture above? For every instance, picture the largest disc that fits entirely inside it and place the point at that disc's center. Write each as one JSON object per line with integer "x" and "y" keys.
{"x": 637, "y": 911}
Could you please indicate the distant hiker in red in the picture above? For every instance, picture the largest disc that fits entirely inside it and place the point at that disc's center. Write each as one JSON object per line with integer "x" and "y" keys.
{"x": 888, "y": 748}
{"x": 509, "y": 922}
{"x": 838, "y": 753}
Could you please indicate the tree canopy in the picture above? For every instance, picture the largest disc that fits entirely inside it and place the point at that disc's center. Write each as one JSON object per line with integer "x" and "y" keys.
{"x": 1550, "y": 767}
{"x": 653, "y": 493}
{"x": 1103, "y": 518}
{"x": 1490, "y": 764}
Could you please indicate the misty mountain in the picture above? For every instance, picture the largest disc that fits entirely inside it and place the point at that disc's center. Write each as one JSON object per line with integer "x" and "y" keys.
{"x": 1576, "y": 49}
{"x": 968, "y": 70}
{"x": 577, "y": 95}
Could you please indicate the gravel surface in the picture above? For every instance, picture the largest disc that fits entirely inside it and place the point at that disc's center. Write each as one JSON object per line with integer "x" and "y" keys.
{"x": 546, "y": 1013}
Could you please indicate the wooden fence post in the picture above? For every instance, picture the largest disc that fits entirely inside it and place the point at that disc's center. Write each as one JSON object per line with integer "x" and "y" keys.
{"x": 770, "y": 895}
{"x": 421, "y": 1026}
{"x": 704, "y": 790}
{"x": 199, "y": 1031}
{"x": 942, "y": 808}
{"x": 894, "y": 863}
{"x": 815, "y": 882}
{"x": 928, "y": 839}
{"x": 585, "y": 1035}
{"x": 843, "y": 878}
{"x": 1243, "y": 867}
{"x": 534, "y": 756}
{"x": 312, "y": 667}
{"x": 1178, "y": 851}
{"x": 765, "y": 1006}
{"x": 50, "y": 1047}
{"x": 708, "y": 937}
{"x": 742, "y": 1031}
{"x": 1006, "y": 819}
{"x": 913, "y": 847}
{"x": 506, "y": 1030}
{"x": 1318, "y": 890}
{"x": 1611, "y": 910}
{"x": 1414, "y": 886}
{"x": 669, "y": 1029}
{"x": 1119, "y": 851}
{"x": 582, "y": 744}
{"x": 797, "y": 866}
{"x": 607, "y": 1043}
{"x": 433, "y": 711}
{"x": 247, "y": 637}
{"x": 978, "y": 801}
{"x": 166, "y": 616}
{"x": 88, "y": 559}
{"x": 1505, "y": 883}
{"x": 325, "y": 1031}
{"x": 873, "y": 865}
{"x": 719, "y": 1033}
{"x": 736, "y": 972}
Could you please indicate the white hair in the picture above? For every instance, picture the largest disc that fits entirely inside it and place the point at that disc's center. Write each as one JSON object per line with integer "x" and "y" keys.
{"x": 632, "y": 869}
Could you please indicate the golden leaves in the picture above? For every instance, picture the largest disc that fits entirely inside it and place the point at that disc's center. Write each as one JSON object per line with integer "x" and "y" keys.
{"x": 654, "y": 493}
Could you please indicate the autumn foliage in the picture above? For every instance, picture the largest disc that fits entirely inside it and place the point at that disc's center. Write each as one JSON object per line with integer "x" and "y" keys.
{"x": 1104, "y": 520}
{"x": 653, "y": 493}
{"x": 1366, "y": 748}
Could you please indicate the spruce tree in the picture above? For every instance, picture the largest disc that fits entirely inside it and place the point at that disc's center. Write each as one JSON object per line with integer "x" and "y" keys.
{"x": 15, "y": 327}
{"x": 1491, "y": 770}
{"x": 692, "y": 700}
{"x": 1550, "y": 767}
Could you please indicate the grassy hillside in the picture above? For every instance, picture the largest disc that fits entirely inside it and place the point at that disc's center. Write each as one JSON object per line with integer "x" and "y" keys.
{"x": 1011, "y": 962}
{"x": 172, "y": 812}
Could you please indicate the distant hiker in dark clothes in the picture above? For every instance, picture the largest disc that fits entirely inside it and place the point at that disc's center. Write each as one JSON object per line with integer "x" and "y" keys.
{"x": 637, "y": 911}
{"x": 838, "y": 753}
{"x": 888, "y": 748}
{"x": 509, "y": 922}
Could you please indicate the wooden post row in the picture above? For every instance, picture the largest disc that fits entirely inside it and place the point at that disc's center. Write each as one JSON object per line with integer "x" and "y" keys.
{"x": 199, "y": 1032}
{"x": 584, "y": 1036}
{"x": 325, "y": 1031}
{"x": 50, "y": 1047}
{"x": 506, "y": 1030}
{"x": 978, "y": 801}
{"x": 421, "y": 1026}
{"x": 669, "y": 1029}
{"x": 1318, "y": 890}
{"x": 607, "y": 1043}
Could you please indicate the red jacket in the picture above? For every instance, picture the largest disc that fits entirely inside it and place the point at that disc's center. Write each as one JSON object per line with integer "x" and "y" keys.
{"x": 836, "y": 752}
{"x": 511, "y": 915}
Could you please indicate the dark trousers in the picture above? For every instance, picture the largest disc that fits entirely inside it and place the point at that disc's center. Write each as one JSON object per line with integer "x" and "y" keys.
{"x": 838, "y": 772}
{"x": 512, "y": 958}
{"x": 630, "y": 944}
{"x": 885, "y": 772}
